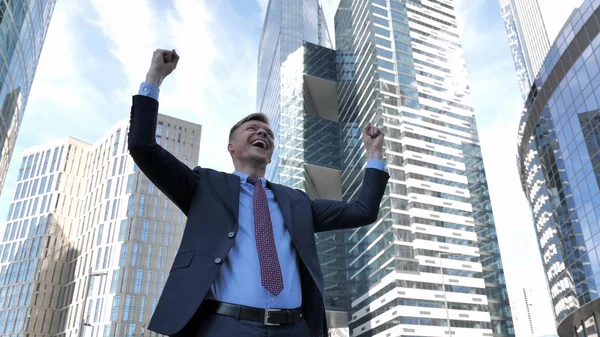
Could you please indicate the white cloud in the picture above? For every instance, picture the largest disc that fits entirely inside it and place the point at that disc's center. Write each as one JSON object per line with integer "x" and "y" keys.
{"x": 196, "y": 88}
{"x": 131, "y": 26}
{"x": 59, "y": 79}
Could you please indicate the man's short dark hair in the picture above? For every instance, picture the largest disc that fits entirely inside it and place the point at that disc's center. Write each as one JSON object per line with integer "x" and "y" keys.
{"x": 261, "y": 117}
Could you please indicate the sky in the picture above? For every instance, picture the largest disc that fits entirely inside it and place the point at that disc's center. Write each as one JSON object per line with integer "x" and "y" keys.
{"x": 97, "y": 52}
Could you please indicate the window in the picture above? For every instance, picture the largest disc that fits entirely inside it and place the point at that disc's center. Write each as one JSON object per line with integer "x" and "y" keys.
{"x": 165, "y": 209}
{"x": 149, "y": 256}
{"x": 131, "y": 328}
{"x": 159, "y": 129}
{"x": 50, "y": 183}
{"x": 53, "y": 163}
{"x": 130, "y": 205}
{"x": 127, "y": 309}
{"x": 45, "y": 166}
{"x": 148, "y": 281}
{"x": 380, "y": 11}
{"x": 168, "y": 234}
{"x": 155, "y": 207}
{"x": 123, "y": 255}
{"x": 154, "y": 232}
{"x": 24, "y": 190}
{"x": 42, "y": 185}
{"x": 114, "y": 208}
{"x": 130, "y": 181}
{"x": 381, "y": 21}
{"x": 106, "y": 210}
{"x": 98, "y": 258}
{"x": 115, "y": 308}
{"x": 34, "y": 186}
{"x": 116, "y": 144}
{"x": 134, "y": 254}
{"x": 100, "y": 230}
{"x": 142, "y": 308}
{"x": 28, "y": 167}
{"x": 138, "y": 281}
{"x": 107, "y": 193}
{"x": 106, "y": 257}
{"x": 122, "y": 165}
{"x": 142, "y": 206}
{"x": 115, "y": 281}
{"x": 145, "y": 228}
{"x": 159, "y": 259}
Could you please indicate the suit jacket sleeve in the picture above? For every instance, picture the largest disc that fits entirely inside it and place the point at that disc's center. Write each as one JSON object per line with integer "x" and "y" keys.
{"x": 331, "y": 215}
{"x": 175, "y": 179}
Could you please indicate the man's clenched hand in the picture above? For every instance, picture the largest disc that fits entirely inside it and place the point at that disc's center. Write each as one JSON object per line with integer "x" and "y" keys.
{"x": 163, "y": 64}
{"x": 372, "y": 137}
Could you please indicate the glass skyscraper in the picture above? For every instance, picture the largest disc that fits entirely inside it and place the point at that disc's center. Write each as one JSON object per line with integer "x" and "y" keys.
{"x": 430, "y": 265}
{"x": 23, "y": 27}
{"x": 288, "y": 25}
{"x": 559, "y": 164}
{"x": 89, "y": 240}
{"x": 527, "y": 39}
{"x": 297, "y": 89}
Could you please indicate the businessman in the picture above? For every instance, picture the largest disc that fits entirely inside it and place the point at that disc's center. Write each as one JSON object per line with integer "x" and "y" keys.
{"x": 247, "y": 264}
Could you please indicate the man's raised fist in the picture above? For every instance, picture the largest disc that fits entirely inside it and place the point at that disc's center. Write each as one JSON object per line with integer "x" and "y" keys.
{"x": 163, "y": 63}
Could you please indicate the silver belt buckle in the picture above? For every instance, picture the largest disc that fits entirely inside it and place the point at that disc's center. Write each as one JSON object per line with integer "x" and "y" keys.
{"x": 267, "y": 316}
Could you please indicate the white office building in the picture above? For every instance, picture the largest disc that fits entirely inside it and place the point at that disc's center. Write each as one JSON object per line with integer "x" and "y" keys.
{"x": 88, "y": 241}
{"x": 431, "y": 265}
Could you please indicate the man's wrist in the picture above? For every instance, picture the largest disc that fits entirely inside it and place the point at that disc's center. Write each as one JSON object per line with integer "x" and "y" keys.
{"x": 377, "y": 155}
{"x": 153, "y": 77}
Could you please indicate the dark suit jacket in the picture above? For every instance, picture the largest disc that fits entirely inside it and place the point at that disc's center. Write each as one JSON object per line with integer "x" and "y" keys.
{"x": 210, "y": 200}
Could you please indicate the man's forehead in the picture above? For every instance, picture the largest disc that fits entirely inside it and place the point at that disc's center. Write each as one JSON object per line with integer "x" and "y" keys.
{"x": 258, "y": 123}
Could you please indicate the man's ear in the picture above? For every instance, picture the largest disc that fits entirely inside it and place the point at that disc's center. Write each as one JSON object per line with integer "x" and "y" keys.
{"x": 230, "y": 148}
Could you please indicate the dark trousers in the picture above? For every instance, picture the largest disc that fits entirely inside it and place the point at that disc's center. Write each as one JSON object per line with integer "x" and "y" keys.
{"x": 223, "y": 326}
{"x": 208, "y": 324}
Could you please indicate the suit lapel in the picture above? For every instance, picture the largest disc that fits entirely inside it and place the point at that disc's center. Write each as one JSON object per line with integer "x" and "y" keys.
{"x": 233, "y": 184}
{"x": 284, "y": 205}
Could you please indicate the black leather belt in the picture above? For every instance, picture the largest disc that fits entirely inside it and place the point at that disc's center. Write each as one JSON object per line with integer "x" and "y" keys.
{"x": 269, "y": 317}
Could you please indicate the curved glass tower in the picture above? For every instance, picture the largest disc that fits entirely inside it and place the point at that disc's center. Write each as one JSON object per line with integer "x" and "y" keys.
{"x": 23, "y": 26}
{"x": 559, "y": 164}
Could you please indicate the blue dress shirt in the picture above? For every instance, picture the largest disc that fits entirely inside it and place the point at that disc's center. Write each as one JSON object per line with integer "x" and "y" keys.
{"x": 238, "y": 281}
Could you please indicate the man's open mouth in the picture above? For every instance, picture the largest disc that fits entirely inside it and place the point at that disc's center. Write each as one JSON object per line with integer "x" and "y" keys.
{"x": 259, "y": 143}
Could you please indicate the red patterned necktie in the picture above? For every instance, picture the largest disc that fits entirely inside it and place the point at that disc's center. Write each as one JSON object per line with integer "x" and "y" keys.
{"x": 270, "y": 270}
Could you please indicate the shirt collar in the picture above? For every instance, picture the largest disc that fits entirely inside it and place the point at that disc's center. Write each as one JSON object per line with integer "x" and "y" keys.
{"x": 244, "y": 178}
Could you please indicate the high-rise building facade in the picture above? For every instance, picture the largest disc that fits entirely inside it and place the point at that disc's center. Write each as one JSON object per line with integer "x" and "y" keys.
{"x": 288, "y": 24}
{"x": 88, "y": 240}
{"x": 527, "y": 39}
{"x": 431, "y": 265}
{"x": 23, "y": 27}
{"x": 559, "y": 163}
{"x": 297, "y": 82}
